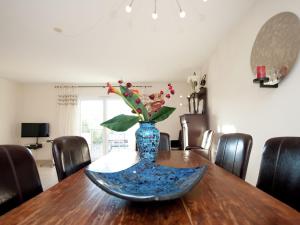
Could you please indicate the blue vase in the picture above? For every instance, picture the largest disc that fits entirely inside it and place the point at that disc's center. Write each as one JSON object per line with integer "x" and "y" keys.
{"x": 147, "y": 139}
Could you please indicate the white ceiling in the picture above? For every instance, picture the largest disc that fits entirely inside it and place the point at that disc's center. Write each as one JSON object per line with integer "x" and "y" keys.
{"x": 100, "y": 42}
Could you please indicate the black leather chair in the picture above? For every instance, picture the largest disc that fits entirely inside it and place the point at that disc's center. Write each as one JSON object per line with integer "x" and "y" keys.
{"x": 19, "y": 177}
{"x": 233, "y": 153}
{"x": 164, "y": 142}
{"x": 70, "y": 153}
{"x": 279, "y": 173}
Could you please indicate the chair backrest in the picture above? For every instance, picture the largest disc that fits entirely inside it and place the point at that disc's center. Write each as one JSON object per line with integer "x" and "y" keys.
{"x": 164, "y": 142}
{"x": 193, "y": 127}
{"x": 19, "y": 177}
{"x": 279, "y": 173}
{"x": 233, "y": 153}
{"x": 70, "y": 153}
{"x": 207, "y": 139}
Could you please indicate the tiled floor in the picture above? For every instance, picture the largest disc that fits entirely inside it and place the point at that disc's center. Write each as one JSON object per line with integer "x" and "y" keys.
{"x": 48, "y": 176}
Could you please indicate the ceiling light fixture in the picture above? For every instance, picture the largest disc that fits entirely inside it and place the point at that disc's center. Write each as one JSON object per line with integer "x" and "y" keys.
{"x": 154, "y": 14}
{"x": 182, "y": 13}
{"x": 128, "y": 8}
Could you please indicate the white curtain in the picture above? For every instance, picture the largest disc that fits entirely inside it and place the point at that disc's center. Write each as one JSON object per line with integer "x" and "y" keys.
{"x": 67, "y": 111}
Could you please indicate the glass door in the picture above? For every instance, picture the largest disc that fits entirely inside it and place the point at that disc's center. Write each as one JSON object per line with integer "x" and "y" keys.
{"x": 91, "y": 115}
{"x": 101, "y": 140}
{"x": 119, "y": 140}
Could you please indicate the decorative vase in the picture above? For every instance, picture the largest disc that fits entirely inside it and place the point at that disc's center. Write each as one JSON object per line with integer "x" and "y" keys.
{"x": 147, "y": 139}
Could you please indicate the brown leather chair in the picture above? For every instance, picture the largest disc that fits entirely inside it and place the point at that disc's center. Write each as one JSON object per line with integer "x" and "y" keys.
{"x": 205, "y": 147}
{"x": 70, "y": 153}
{"x": 193, "y": 128}
{"x": 164, "y": 142}
{"x": 279, "y": 173}
{"x": 19, "y": 177}
{"x": 233, "y": 153}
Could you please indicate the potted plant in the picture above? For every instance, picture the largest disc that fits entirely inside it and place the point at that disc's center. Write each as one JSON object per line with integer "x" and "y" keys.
{"x": 147, "y": 110}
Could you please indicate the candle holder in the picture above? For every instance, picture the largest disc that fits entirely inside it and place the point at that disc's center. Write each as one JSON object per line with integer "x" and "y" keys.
{"x": 266, "y": 82}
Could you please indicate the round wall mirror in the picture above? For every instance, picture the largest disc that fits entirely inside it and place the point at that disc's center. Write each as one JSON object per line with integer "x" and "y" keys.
{"x": 277, "y": 44}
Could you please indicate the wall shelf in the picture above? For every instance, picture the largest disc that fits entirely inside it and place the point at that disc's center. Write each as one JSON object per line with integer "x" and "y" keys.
{"x": 265, "y": 83}
{"x": 259, "y": 80}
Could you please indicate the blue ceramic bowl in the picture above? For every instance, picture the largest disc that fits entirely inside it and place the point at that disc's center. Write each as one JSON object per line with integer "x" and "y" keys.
{"x": 146, "y": 181}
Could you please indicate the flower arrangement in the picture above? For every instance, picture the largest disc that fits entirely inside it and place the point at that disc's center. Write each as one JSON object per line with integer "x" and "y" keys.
{"x": 146, "y": 108}
{"x": 193, "y": 80}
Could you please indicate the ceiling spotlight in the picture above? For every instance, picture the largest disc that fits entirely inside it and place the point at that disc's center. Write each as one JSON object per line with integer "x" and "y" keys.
{"x": 128, "y": 8}
{"x": 204, "y": 0}
{"x": 154, "y": 16}
{"x": 182, "y": 14}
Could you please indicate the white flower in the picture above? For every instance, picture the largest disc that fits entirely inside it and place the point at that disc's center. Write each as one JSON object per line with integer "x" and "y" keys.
{"x": 193, "y": 81}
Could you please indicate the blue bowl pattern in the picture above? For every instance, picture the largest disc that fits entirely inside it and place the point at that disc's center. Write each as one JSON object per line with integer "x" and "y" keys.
{"x": 146, "y": 181}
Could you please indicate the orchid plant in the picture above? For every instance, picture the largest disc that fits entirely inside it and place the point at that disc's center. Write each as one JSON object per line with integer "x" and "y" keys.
{"x": 193, "y": 81}
{"x": 146, "y": 108}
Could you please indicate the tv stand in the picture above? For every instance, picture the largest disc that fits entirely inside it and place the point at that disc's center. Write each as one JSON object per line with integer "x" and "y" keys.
{"x": 35, "y": 146}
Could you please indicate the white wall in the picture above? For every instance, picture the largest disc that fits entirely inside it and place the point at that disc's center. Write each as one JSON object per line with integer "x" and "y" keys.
{"x": 235, "y": 103}
{"x": 8, "y": 102}
{"x": 38, "y": 104}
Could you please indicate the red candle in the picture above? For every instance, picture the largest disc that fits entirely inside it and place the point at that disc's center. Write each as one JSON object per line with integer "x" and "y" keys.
{"x": 263, "y": 71}
{"x": 260, "y": 72}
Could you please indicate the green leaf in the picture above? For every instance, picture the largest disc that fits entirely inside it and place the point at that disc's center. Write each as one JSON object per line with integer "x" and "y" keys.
{"x": 162, "y": 114}
{"x": 133, "y": 104}
{"x": 121, "y": 122}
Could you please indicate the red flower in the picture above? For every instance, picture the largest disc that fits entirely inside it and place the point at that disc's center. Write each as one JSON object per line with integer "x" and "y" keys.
{"x": 155, "y": 106}
{"x": 170, "y": 87}
{"x": 172, "y": 92}
{"x": 152, "y": 96}
{"x": 139, "y": 110}
{"x": 120, "y": 82}
{"x": 135, "y": 91}
{"x": 112, "y": 89}
{"x": 129, "y": 85}
{"x": 161, "y": 92}
{"x": 126, "y": 94}
{"x": 168, "y": 95}
{"x": 138, "y": 101}
{"x": 169, "y": 84}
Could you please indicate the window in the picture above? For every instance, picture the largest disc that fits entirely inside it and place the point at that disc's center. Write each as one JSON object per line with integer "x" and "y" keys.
{"x": 101, "y": 140}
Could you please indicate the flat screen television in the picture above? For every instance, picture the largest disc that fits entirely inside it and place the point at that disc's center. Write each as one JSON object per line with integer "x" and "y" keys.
{"x": 35, "y": 130}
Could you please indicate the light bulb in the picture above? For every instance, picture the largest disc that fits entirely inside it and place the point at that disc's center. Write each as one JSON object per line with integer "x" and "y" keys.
{"x": 128, "y": 9}
{"x": 204, "y": 0}
{"x": 154, "y": 15}
{"x": 182, "y": 14}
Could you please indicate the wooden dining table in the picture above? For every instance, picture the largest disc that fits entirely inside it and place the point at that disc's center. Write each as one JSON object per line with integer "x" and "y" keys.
{"x": 219, "y": 198}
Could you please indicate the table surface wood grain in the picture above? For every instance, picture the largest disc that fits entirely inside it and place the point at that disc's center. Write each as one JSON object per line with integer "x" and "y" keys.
{"x": 220, "y": 198}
